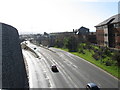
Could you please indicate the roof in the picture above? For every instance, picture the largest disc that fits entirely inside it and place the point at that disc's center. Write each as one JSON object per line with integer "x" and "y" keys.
{"x": 83, "y": 27}
{"x": 111, "y": 20}
{"x": 59, "y": 33}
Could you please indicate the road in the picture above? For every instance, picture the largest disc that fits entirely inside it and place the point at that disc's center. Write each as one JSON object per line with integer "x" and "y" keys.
{"x": 74, "y": 72}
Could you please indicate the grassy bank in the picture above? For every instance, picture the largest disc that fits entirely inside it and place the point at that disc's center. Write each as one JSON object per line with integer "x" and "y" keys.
{"x": 113, "y": 69}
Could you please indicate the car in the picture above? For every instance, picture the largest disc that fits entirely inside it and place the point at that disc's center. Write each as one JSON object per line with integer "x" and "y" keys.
{"x": 92, "y": 86}
{"x": 54, "y": 68}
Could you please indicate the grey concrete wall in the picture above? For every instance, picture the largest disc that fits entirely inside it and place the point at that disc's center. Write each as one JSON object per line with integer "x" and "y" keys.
{"x": 13, "y": 68}
{"x": 0, "y": 55}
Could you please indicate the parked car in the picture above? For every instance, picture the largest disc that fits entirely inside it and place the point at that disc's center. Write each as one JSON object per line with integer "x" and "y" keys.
{"x": 54, "y": 68}
{"x": 92, "y": 86}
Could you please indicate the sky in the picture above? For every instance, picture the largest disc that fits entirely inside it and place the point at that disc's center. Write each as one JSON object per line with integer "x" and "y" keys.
{"x": 38, "y": 16}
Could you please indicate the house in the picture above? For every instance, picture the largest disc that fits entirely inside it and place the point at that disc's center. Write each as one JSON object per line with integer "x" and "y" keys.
{"x": 83, "y": 33}
{"x": 108, "y": 32}
{"x": 83, "y": 30}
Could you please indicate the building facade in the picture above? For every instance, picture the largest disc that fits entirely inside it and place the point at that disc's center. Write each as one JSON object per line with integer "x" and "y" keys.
{"x": 108, "y": 32}
{"x": 92, "y": 37}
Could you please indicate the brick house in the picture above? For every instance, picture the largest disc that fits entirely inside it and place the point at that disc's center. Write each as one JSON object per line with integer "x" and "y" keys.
{"x": 108, "y": 32}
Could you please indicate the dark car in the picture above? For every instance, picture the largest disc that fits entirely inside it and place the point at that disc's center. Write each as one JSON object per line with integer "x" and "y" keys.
{"x": 92, "y": 86}
{"x": 54, "y": 68}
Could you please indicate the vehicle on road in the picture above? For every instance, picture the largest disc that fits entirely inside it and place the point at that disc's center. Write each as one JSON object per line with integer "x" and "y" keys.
{"x": 54, "y": 68}
{"x": 92, "y": 86}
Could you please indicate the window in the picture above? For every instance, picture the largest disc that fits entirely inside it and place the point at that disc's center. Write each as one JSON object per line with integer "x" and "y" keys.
{"x": 106, "y": 34}
{"x": 116, "y": 25}
{"x": 106, "y": 42}
{"x": 118, "y": 44}
{"x": 111, "y": 35}
{"x": 99, "y": 27}
{"x": 105, "y": 26}
{"x": 118, "y": 34}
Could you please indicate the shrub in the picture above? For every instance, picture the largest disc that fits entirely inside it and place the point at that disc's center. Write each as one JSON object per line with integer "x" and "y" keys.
{"x": 95, "y": 50}
{"x": 103, "y": 56}
{"x": 81, "y": 51}
{"x": 116, "y": 57}
{"x": 95, "y": 56}
{"x": 84, "y": 47}
{"x": 108, "y": 63}
{"x": 88, "y": 46}
{"x": 107, "y": 52}
{"x": 99, "y": 52}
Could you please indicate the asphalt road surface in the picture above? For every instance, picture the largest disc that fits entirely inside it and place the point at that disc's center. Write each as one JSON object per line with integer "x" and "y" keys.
{"x": 74, "y": 72}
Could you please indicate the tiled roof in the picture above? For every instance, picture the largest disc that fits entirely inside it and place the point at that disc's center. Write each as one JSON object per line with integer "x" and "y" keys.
{"x": 82, "y": 27}
{"x": 113, "y": 19}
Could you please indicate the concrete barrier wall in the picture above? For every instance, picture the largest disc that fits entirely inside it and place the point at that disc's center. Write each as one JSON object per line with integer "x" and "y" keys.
{"x": 13, "y": 67}
{"x": 0, "y": 56}
{"x": 24, "y": 46}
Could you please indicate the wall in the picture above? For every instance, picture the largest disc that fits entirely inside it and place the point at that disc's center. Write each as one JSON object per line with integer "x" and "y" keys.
{"x": 0, "y": 56}
{"x": 100, "y": 37}
{"x": 117, "y": 38}
{"x": 106, "y": 42}
{"x": 13, "y": 67}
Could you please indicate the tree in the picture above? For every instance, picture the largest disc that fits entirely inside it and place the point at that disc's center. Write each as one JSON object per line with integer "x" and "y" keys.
{"x": 72, "y": 44}
{"x": 65, "y": 42}
{"x": 59, "y": 43}
{"x": 116, "y": 57}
